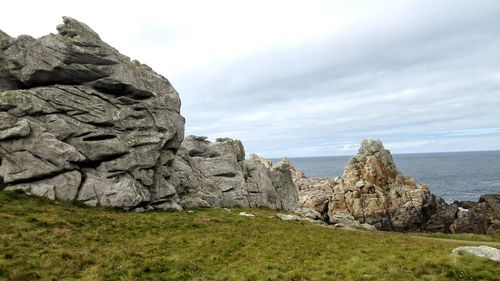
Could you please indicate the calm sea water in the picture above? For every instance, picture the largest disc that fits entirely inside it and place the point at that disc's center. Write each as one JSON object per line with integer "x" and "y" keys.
{"x": 453, "y": 176}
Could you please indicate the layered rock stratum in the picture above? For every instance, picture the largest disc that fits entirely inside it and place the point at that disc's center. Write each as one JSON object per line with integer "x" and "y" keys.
{"x": 81, "y": 122}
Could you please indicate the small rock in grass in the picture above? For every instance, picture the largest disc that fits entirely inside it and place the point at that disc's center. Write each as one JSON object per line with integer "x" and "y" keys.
{"x": 245, "y": 214}
{"x": 480, "y": 251}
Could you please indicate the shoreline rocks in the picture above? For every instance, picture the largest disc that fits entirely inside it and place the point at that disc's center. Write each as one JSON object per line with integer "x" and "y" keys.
{"x": 374, "y": 192}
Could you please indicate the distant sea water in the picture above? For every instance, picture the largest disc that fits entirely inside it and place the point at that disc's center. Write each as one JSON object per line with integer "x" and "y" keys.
{"x": 453, "y": 175}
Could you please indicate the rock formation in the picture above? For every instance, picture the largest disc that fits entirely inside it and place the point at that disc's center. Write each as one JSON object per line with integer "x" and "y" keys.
{"x": 81, "y": 122}
{"x": 373, "y": 191}
{"x": 480, "y": 251}
{"x": 478, "y": 217}
{"x": 217, "y": 174}
{"x": 314, "y": 193}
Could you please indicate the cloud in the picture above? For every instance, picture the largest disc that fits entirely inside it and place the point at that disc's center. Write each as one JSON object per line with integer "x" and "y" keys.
{"x": 310, "y": 79}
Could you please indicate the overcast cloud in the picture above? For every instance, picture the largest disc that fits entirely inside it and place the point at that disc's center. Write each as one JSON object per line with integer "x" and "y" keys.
{"x": 310, "y": 78}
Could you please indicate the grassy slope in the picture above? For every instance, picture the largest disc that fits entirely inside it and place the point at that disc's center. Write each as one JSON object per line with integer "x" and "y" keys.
{"x": 47, "y": 240}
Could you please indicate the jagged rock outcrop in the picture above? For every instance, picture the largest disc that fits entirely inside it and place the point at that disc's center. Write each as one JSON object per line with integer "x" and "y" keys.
{"x": 478, "y": 217}
{"x": 373, "y": 191}
{"x": 217, "y": 174}
{"x": 81, "y": 122}
{"x": 314, "y": 193}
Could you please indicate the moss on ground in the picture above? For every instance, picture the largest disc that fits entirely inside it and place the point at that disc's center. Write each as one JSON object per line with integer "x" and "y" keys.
{"x": 45, "y": 240}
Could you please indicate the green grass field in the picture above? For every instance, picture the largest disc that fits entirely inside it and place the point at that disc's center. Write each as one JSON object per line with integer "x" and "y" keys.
{"x": 44, "y": 240}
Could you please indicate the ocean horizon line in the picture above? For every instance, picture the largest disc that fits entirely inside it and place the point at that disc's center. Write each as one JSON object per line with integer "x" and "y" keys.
{"x": 401, "y": 153}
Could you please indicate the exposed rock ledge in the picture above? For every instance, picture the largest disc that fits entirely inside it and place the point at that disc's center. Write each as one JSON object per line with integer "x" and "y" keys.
{"x": 373, "y": 191}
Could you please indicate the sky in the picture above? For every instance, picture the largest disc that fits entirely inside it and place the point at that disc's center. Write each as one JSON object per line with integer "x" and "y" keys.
{"x": 309, "y": 78}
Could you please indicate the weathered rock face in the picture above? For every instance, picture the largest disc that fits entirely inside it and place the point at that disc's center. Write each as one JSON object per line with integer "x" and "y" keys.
{"x": 217, "y": 174}
{"x": 314, "y": 193}
{"x": 81, "y": 122}
{"x": 478, "y": 217}
{"x": 373, "y": 191}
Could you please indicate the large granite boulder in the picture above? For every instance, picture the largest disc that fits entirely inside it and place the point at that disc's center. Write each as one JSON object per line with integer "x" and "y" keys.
{"x": 217, "y": 174}
{"x": 81, "y": 122}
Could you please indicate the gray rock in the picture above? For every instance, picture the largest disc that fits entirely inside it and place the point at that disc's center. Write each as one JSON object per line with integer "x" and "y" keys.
{"x": 281, "y": 177}
{"x": 193, "y": 202}
{"x": 469, "y": 222}
{"x": 302, "y": 214}
{"x": 80, "y": 121}
{"x": 309, "y": 213}
{"x": 245, "y": 214}
{"x": 120, "y": 191}
{"x": 216, "y": 174}
{"x": 345, "y": 219}
{"x": 19, "y": 130}
{"x": 261, "y": 192}
{"x": 168, "y": 206}
{"x": 62, "y": 187}
{"x": 292, "y": 217}
{"x": 480, "y": 251}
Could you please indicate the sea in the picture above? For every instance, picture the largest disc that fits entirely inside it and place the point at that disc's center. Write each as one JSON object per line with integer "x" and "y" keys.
{"x": 451, "y": 175}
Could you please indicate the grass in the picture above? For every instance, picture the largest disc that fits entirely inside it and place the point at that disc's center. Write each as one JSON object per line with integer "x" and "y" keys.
{"x": 45, "y": 240}
{"x": 463, "y": 236}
